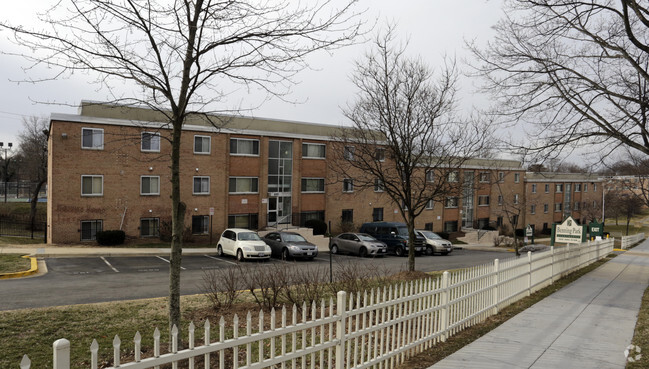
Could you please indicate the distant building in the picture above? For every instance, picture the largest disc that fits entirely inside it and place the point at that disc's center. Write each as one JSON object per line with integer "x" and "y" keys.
{"x": 109, "y": 169}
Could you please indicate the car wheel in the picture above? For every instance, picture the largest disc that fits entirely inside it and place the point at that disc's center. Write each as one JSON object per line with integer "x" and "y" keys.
{"x": 399, "y": 251}
{"x": 219, "y": 250}
{"x": 240, "y": 255}
{"x": 334, "y": 249}
{"x": 362, "y": 252}
{"x": 430, "y": 251}
{"x": 285, "y": 254}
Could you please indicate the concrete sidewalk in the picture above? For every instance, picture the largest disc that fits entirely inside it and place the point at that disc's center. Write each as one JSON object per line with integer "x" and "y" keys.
{"x": 587, "y": 324}
{"x": 80, "y": 251}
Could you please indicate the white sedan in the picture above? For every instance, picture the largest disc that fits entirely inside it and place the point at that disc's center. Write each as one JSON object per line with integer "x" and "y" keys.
{"x": 243, "y": 244}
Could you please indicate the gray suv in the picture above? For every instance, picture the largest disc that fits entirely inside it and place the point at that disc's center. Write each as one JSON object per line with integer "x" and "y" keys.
{"x": 393, "y": 234}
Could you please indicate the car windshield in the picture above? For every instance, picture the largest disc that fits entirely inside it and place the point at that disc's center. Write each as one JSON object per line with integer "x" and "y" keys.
{"x": 366, "y": 237}
{"x": 430, "y": 235}
{"x": 288, "y": 237}
{"x": 248, "y": 236}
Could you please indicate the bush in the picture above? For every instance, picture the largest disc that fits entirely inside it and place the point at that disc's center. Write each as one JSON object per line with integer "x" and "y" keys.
{"x": 520, "y": 232}
{"x": 319, "y": 226}
{"x": 111, "y": 238}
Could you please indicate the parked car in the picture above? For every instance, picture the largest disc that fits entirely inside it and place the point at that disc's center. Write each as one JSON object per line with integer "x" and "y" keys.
{"x": 435, "y": 243}
{"x": 287, "y": 245}
{"x": 361, "y": 244}
{"x": 395, "y": 235}
{"x": 242, "y": 244}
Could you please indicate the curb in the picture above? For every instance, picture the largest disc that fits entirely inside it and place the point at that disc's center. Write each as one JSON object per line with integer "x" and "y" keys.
{"x": 32, "y": 270}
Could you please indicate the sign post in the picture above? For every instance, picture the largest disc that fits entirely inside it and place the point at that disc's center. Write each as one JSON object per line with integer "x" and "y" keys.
{"x": 568, "y": 232}
{"x": 211, "y": 217}
{"x": 529, "y": 232}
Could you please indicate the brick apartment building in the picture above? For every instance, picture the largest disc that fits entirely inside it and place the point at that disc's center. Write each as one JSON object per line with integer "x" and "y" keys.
{"x": 109, "y": 169}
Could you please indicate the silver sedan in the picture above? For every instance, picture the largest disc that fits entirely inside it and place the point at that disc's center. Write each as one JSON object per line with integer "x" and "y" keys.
{"x": 361, "y": 244}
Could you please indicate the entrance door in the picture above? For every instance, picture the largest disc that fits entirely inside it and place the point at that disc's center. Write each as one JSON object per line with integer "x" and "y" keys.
{"x": 279, "y": 210}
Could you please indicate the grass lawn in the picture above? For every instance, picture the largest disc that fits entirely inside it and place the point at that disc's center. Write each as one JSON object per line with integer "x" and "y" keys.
{"x": 22, "y": 209}
{"x": 32, "y": 331}
{"x": 11, "y": 263}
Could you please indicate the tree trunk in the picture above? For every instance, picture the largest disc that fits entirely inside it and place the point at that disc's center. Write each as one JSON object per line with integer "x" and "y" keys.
{"x": 178, "y": 226}
{"x": 411, "y": 243}
{"x": 33, "y": 204}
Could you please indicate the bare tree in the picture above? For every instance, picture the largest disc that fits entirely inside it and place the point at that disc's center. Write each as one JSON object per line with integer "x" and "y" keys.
{"x": 577, "y": 71}
{"x": 33, "y": 157}
{"x": 180, "y": 55}
{"x": 405, "y": 139}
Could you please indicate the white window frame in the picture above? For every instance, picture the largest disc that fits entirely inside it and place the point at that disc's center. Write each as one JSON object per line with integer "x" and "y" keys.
{"x": 488, "y": 201}
{"x": 319, "y": 179}
{"x": 96, "y": 221}
{"x": 156, "y": 222}
{"x": 501, "y": 176}
{"x": 381, "y": 157}
{"x": 517, "y": 177}
{"x": 430, "y": 176}
{"x": 430, "y": 204}
{"x": 452, "y": 206}
{"x": 558, "y": 188}
{"x": 92, "y": 194}
{"x": 378, "y": 185}
{"x": 149, "y": 193}
{"x": 155, "y": 138}
{"x": 585, "y": 187}
{"x": 533, "y": 187}
{"x": 547, "y": 188}
{"x": 348, "y": 185}
{"x": 484, "y": 177}
{"x": 533, "y": 209}
{"x": 93, "y": 147}
{"x": 304, "y": 156}
{"x": 577, "y": 187}
{"x": 209, "y": 145}
{"x": 453, "y": 176}
{"x": 244, "y": 139}
{"x": 515, "y": 198}
{"x": 348, "y": 152}
{"x": 500, "y": 199}
{"x": 236, "y": 185}
{"x": 558, "y": 207}
{"x": 201, "y": 178}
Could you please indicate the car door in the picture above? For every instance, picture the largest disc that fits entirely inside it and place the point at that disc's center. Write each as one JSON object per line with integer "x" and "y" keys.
{"x": 343, "y": 243}
{"x": 230, "y": 240}
{"x": 273, "y": 240}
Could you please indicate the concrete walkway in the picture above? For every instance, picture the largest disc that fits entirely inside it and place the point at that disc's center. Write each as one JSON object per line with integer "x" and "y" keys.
{"x": 587, "y": 324}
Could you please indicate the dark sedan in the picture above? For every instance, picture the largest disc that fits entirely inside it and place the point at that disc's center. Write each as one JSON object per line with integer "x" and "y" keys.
{"x": 287, "y": 245}
{"x": 357, "y": 243}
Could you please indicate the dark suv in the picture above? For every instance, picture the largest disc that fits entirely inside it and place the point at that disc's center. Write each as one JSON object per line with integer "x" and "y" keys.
{"x": 395, "y": 235}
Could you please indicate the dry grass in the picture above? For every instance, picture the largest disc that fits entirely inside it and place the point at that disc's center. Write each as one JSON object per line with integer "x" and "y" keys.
{"x": 11, "y": 263}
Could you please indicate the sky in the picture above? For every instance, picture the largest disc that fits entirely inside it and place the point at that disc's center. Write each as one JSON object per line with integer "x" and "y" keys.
{"x": 433, "y": 28}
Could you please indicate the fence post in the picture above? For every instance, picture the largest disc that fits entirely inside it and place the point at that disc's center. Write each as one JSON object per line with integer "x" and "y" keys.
{"x": 552, "y": 265}
{"x": 444, "y": 311}
{"x": 529, "y": 273}
{"x": 61, "y": 354}
{"x": 496, "y": 283}
{"x": 340, "y": 329}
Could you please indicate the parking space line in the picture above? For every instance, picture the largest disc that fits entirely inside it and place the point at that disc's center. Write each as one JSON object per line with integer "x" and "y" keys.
{"x": 109, "y": 264}
{"x": 168, "y": 262}
{"x": 219, "y": 259}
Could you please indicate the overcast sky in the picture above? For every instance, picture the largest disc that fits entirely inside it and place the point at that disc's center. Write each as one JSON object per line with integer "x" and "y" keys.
{"x": 434, "y": 28}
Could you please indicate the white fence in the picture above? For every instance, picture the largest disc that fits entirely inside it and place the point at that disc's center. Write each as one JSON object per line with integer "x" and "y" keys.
{"x": 631, "y": 240}
{"x": 378, "y": 329}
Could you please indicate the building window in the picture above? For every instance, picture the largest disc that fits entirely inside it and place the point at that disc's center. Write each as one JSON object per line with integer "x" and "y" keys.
{"x": 533, "y": 187}
{"x": 452, "y": 176}
{"x": 430, "y": 176}
{"x": 485, "y": 177}
{"x": 92, "y": 185}
{"x": 378, "y": 185}
{"x": 451, "y": 202}
{"x": 149, "y": 227}
{"x": 428, "y": 226}
{"x": 151, "y": 141}
{"x": 430, "y": 204}
{"x": 89, "y": 229}
{"x": 379, "y": 154}
{"x": 517, "y": 177}
{"x": 546, "y": 208}
{"x": 246, "y": 221}
{"x": 483, "y": 200}
{"x": 515, "y": 220}
{"x": 501, "y": 176}
{"x": 313, "y": 151}
{"x": 313, "y": 185}
{"x": 202, "y": 144}
{"x": 244, "y": 146}
{"x": 547, "y": 188}
{"x": 576, "y": 206}
{"x": 499, "y": 222}
{"x": 245, "y": 185}
{"x": 450, "y": 226}
{"x": 347, "y": 216}
{"x": 377, "y": 215}
{"x": 200, "y": 224}
{"x": 348, "y": 185}
{"x": 500, "y": 199}
{"x": 309, "y": 215}
{"x": 348, "y": 154}
{"x": 533, "y": 209}
{"x": 201, "y": 186}
{"x": 594, "y": 187}
{"x": 595, "y": 204}
{"x": 558, "y": 207}
{"x": 577, "y": 187}
{"x": 92, "y": 138}
{"x": 150, "y": 185}
{"x": 558, "y": 188}
{"x": 585, "y": 187}
{"x": 515, "y": 198}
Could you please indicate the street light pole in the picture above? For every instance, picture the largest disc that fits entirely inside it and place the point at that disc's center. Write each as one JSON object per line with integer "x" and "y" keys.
{"x": 6, "y": 165}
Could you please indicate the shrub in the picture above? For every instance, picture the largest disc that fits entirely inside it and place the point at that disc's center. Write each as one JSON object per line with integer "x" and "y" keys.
{"x": 318, "y": 226}
{"x": 221, "y": 287}
{"x": 111, "y": 238}
{"x": 520, "y": 232}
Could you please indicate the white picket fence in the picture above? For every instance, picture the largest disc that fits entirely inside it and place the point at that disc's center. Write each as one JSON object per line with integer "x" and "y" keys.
{"x": 379, "y": 329}
{"x": 631, "y": 240}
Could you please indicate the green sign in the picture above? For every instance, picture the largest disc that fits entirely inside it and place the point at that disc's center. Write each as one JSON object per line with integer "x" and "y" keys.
{"x": 568, "y": 232}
